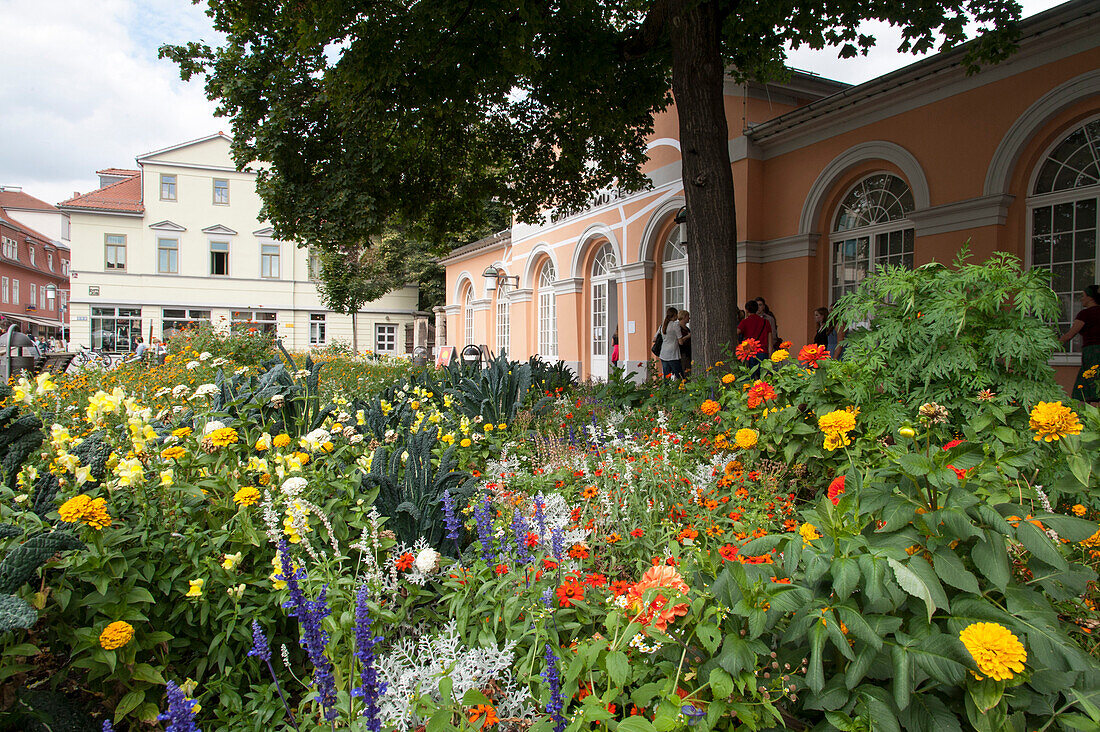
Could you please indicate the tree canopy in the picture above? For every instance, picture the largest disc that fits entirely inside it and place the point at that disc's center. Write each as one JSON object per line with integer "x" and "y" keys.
{"x": 374, "y": 114}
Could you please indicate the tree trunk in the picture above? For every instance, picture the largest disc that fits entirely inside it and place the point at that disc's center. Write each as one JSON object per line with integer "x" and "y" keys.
{"x": 354, "y": 332}
{"x": 698, "y": 76}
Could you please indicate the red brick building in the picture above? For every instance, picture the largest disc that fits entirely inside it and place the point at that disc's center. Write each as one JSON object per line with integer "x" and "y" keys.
{"x": 34, "y": 267}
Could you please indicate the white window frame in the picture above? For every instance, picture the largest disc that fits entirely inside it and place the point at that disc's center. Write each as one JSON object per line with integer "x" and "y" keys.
{"x": 317, "y": 329}
{"x": 602, "y": 281}
{"x": 30, "y": 253}
{"x": 174, "y": 240}
{"x": 1072, "y": 357}
{"x": 504, "y": 317}
{"x": 548, "y": 312}
{"x": 34, "y": 296}
{"x": 65, "y": 267}
{"x": 672, "y": 267}
{"x": 468, "y": 315}
{"x": 11, "y": 249}
{"x": 6, "y": 291}
{"x": 271, "y": 258}
{"x": 51, "y": 298}
{"x": 214, "y": 192}
{"x": 219, "y": 242}
{"x": 49, "y": 261}
{"x": 173, "y": 187}
{"x": 118, "y": 246}
{"x": 871, "y": 233}
{"x": 15, "y": 291}
{"x": 385, "y": 338}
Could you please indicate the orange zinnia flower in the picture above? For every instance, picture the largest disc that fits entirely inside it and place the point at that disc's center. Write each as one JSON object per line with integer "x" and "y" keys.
{"x": 488, "y": 711}
{"x": 811, "y": 354}
{"x": 570, "y": 591}
{"x": 747, "y": 349}
{"x": 760, "y": 392}
{"x": 658, "y": 612}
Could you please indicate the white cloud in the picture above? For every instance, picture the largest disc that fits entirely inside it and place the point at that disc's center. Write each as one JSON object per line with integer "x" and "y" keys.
{"x": 82, "y": 89}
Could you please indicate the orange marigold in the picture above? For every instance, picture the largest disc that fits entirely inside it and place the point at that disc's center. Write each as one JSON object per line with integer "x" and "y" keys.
{"x": 710, "y": 407}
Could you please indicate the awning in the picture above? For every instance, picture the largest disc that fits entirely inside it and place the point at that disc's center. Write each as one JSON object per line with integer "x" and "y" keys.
{"x": 36, "y": 321}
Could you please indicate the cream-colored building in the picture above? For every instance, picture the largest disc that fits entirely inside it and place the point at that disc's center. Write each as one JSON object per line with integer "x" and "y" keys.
{"x": 178, "y": 240}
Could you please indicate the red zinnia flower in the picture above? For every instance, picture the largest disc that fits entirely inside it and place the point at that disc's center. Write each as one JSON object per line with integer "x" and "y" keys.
{"x": 501, "y": 569}
{"x": 747, "y": 349}
{"x": 728, "y": 552}
{"x": 570, "y": 591}
{"x": 637, "y": 533}
{"x": 619, "y": 587}
{"x": 595, "y": 580}
{"x": 532, "y": 539}
{"x": 760, "y": 392}
{"x": 835, "y": 489}
{"x": 952, "y": 444}
{"x": 404, "y": 562}
{"x": 811, "y": 354}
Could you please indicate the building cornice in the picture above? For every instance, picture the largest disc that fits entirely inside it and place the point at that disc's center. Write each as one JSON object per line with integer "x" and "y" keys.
{"x": 776, "y": 250}
{"x": 1046, "y": 37}
{"x": 451, "y": 309}
{"x": 568, "y": 286}
{"x": 102, "y": 211}
{"x": 969, "y": 214}
{"x": 481, "y": 304}
{"x": 636, "y": 271}
{"x": 523, "y": 295}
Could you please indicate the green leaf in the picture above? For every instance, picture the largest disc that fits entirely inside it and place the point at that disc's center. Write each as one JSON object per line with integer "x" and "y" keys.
{"x": 902, "y": 681}
{"x": 129, "y": 703}
{"x": 16, "y": 613}
{"x": 721, "y": 683}
{"x": 991, "y": 556}
{"x": 845, "y": 571}
{"x": 145, "y": 672}
{"x": 618, "y": 667}
{"x": 1069, "y": 527}
{"x": 815, "y": 674}
{"x": 1080, "y": 467}
{"x": 1039, "y": 544}
{"x": 909, "y": 581}
{"x": 950, "y": 569}
{"x": 473, "y": 697}
{"x": 636, "y": 724}
{"x": 880, "y": 708}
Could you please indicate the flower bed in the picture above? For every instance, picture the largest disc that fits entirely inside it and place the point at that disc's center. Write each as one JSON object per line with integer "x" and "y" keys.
{"x": 758, "y": 548}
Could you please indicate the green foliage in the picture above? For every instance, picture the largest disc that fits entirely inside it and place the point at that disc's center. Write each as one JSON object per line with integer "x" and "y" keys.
{"x": 943, "y": 334}
{"x": 19, "y": 566}
{"x": 242, "y": 343}
{"x": 20, "y": 436}
{"x": 497, "y": 392}
{"x": 411, "y": 484}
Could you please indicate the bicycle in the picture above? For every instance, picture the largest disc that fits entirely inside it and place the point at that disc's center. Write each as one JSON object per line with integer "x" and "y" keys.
{"x": 91, "y": 358}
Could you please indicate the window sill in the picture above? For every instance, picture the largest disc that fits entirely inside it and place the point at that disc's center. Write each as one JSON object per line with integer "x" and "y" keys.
{"x": 1065, "y": 359}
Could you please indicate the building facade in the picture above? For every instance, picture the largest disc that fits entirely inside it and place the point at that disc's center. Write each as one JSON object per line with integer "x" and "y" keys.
{"x": 830, "y": 181}
{"x": 179, "y": 241}
{"x": 34, "y": 264}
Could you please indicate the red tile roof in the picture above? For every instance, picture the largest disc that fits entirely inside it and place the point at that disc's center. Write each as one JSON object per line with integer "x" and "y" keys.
{"x": 123, "y": 197}
{"x": 7, "y": 219}
{"x": 19, "y": 199}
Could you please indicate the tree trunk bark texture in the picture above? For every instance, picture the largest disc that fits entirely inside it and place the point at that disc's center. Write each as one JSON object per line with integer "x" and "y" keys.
{"x": 698, "y": 77}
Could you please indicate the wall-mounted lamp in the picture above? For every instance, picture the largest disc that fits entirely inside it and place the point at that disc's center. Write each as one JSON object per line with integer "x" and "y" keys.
{"x": 681, "y": 215}
{"x": 492, "y": 276}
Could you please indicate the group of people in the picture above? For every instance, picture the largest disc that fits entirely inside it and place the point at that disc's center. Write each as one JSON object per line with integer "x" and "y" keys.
{"x": 156, "y": 350}
{"x": 672, "y": 341}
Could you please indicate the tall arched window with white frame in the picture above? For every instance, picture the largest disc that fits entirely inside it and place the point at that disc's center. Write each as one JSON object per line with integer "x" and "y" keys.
{"x": 674, "y": 264}
{"x": 1062, "y": 213}
{"x": 602, "y": 280}
{"x": 468, "y": 315}
{"x": 503, "y": 326}
{"x": 548, "y": 312}
{"x": 871, "y": 229}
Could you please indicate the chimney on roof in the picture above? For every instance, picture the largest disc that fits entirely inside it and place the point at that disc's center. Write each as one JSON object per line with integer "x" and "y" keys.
{"x": 11, "y": 189}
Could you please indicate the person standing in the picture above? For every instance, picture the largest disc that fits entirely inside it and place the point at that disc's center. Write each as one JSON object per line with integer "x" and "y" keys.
{"x": 1087, "y": 325}
{"x": 670, "y": 345}
{"x": 755, "y": 326}
{"x": 615, "y": 350}
{"x": 826, "y": 333}
{"x": 685, "y": 342}
{"x": 766, "y": 313}
{"x": 141, "y": 348}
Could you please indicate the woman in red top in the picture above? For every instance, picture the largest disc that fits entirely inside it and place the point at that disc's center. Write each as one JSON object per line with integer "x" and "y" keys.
{"x": 1087, "y": 324}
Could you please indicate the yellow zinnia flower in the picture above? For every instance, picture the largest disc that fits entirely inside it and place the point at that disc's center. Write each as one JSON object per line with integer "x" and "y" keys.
{"x": 780, "y": 356}
{"x": 116, "y": 635}
{"x": 746, "y": 438}
{"x": 465, "y": 442}
{"x": 247, "y": 496}
{"x": 173, "y": 453}
{"x": 729, "y": 379}
{"x": 808, "y": 533}
{"x": 223, "y": 436}
{"x": 281, "y": 440}
{"x": 1052, "y": 421}
{"x": 998, "y": 653}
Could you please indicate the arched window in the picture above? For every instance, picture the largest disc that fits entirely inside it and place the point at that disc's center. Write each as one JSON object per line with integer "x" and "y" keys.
{"x": 871, "y": 229}
{"x": 548, "y": 312}
{"x": 503, "y": 326}
{"x": 468, "y": 315}
{"x": 674, "y": 265}
{"x": 1063, "y": 206}
{"x": 602, "y": 265}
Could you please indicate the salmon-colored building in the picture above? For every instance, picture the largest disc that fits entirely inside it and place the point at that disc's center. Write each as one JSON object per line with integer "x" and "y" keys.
{"x": 830, "y": 181}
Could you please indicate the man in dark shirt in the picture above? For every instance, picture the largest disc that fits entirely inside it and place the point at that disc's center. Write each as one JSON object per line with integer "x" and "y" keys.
{"x": 753, "y": 326}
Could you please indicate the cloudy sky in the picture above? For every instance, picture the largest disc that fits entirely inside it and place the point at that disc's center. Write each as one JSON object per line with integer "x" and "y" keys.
{"x": 82, "y": 88}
